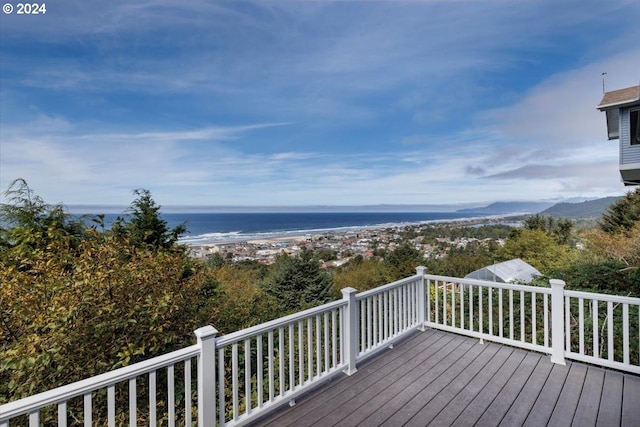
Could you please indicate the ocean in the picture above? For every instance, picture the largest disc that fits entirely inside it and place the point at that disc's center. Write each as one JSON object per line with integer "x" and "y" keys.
{"x": 207, "y": 228}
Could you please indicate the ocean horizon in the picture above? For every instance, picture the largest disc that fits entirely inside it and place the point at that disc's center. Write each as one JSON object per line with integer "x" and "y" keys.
{"x": 211, "y": 228}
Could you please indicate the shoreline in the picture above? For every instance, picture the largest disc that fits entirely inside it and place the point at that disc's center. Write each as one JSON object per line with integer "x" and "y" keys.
{"x": 301, "y": 237}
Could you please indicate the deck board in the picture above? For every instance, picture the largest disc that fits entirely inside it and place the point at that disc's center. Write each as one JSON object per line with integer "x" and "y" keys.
{"x": 440, "y": 379}
{"x": 631, "y": 401}
{"x": 610, "y": 409}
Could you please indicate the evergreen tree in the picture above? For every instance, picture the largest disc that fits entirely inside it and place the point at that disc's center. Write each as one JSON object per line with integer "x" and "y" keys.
{"x": 145, "y": 227}
{"x": 298, "y": 282}
{"x": 623, "y": 214}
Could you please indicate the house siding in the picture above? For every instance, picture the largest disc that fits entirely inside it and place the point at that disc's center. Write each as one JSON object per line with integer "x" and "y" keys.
{"x": 628, "y": 153}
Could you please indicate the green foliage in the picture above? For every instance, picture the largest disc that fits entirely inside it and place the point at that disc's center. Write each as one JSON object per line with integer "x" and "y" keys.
{"x": 559, "y": 228}
{"x": 361, "y": 274}
{"x": 537, "y": 248}
{"x": 298, "y": 282}
{"x": 462, "y": 261}
{"x": 623, "y": 214}
{"x": 402, "y": 262}
{"x": 145, "y": 226}
{"x": 76, "y": 301}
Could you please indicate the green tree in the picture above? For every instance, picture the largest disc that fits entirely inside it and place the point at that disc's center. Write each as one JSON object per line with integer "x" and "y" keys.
{"x": 402, "y": 261}
{"x": 623, "y": 214}
{"x": 29, "y": 224}
{"x": 298, "y": 282}
{"x": 539, "y": 249}
{"x": 144, "y": 224}
{"x": 361, "y": 274}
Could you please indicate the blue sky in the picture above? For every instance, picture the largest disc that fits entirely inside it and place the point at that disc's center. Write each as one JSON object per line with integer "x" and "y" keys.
{"x": 314, "y": 102}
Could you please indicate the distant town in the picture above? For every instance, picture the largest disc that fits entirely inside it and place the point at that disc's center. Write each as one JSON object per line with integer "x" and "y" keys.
{"x": 341, "y": 246}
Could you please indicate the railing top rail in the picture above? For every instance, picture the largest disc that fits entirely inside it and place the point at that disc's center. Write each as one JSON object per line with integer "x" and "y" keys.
{"x": 603, "y": 297}
{"x": 69, "y": 391}
{"x": 386, "y": 287}
{"x": 486, "y": 283}
{"x": 265, "y": 327}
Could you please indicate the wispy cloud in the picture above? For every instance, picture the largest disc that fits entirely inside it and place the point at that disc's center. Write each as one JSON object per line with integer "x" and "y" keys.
{"x": 314, "y": 102}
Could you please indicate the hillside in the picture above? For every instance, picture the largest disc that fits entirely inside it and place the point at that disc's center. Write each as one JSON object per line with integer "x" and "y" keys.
{"x": 509, "y": 208}
{"x": 588, "y": 209}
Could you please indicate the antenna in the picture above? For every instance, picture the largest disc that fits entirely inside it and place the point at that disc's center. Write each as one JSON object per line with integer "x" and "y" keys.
{"x": 603, "y": 74}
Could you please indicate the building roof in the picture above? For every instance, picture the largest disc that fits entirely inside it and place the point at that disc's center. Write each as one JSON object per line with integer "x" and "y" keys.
{"x": 620, "y": 97}
{"x": 512, "y": 271}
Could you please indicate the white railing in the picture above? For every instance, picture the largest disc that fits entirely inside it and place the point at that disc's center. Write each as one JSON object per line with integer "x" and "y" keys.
{"x": 265, "y": 366}
{"x": 245, "y": 374}
{"x": 388, "y": 313}
{"x": 600, "y": 329}
{"x": 509, "y": 314}
{"x": 94, "y": 401}
{"x": 564, "y": 324}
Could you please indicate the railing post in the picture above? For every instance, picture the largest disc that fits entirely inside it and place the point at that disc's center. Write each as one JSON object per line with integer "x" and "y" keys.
{"x": 557, "y": 321}
{"x": 206, "y": 376}
{"x": 351, "y": 328}
{"x": 420, "y": 271}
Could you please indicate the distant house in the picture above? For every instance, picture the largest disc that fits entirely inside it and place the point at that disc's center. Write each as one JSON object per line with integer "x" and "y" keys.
{"x": 622, "y": 108}
{"x": 512, "y": 271}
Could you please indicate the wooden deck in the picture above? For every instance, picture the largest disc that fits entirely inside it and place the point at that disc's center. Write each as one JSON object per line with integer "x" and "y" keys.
{"x": 435, "y": 378}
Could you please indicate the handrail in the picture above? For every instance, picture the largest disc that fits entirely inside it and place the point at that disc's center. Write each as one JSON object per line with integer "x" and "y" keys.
{"x": 69, "y": 391}
{"x": 379, "y": 289}
{"x": 495, "y": 285}
{"x": 265, "y": 327}
{"x": 602, "y": 297}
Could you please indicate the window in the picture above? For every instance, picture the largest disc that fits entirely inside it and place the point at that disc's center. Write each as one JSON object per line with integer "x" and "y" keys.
{"x": 634, "y": 124}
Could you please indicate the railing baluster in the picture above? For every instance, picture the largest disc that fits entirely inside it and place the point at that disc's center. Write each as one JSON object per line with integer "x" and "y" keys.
{"x": 187, "y": 393}
{"x": 62, "y": 414}
{"x": 625, "y": 333}
{"x": 428, "y": 297}
{"x": 580, "y": 324}
{"x": 511, "y": 314}
{"x": 453, "y": 305}
{"x": 461, "y": 290}
{"x": 270, "y": 356}
{"x": 309, "y": 349}
{"x": 247, "y": 375}
{"x": 437, "y": 292}
{"x": 326, "y": 341}
{"x": 610, "y": 330}
{"x": 334, "y": 338}
{"x": 34, "y": 419}
{"x": 292, "y": 372}
{"x": 534, "y": 332}
{"x": 281, "y": 378}
{"x": 545, "y": 299}
{"x": 222, "y": 405}
{"x": 471, "y": 308}
{"x": 171, "y": 395}
{"x": 152, "y": 398}
{"x": 369, "y": 322}
{"x": 363, "y": 325}
{"x": 480, "y": 310}
{"x": 234, "y": 381}
{"x": 260, "y": 368}
{"x": 88, "y": 411}
{"x": 500, "y": 315}
{"x": 567, "y": 323}
{"x": 490, "y": 309}
{"x": 522, "y": 323}
{"x": 444, "y": 305}
{"x": 318, "y": 342}
{"x": 301, "y": 354}
{"x": 133, "y": 403}
{"x": 596, "y": 322}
